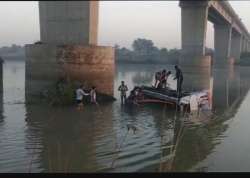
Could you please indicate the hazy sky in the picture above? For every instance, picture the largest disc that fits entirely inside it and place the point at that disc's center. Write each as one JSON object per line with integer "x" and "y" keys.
{"x": 120, "y": 22}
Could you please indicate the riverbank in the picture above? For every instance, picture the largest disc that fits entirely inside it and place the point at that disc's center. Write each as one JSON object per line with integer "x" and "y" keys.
{"x": 244, "y": 61}
{"x": 13, "y": 57}
{"x": 144, "y": 62}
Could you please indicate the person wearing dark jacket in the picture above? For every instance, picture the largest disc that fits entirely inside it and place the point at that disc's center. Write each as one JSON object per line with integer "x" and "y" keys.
{"x": 179, "y": 77}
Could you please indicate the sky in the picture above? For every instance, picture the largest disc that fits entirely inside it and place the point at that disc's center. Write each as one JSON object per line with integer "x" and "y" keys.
{"x": 120, "y": 22}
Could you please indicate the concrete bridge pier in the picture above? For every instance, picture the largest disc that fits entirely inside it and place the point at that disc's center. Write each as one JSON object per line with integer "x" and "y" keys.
{"x": 193, "y": 33}
{"x": 247, "y": 46}
{"x": 236, "y": 46}
{"x": 244, "y": 45}
{"x": 1, "y": 91}
{"x": 68, "y": 48}
{"x": 222, "y": 44}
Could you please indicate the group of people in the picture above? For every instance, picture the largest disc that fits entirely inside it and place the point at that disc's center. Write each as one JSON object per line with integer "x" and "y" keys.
{"x": 161, "y": 78}
{"x": 135, "y": 94}
{"x": 80, "y": 93}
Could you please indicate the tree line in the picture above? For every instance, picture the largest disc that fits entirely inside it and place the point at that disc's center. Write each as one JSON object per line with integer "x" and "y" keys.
{"x": 144, "y": 51}
{"x": 12, "y": 51}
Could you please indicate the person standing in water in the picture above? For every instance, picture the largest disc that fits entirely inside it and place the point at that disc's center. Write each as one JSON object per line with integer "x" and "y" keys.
{"x": 93, "y": 95}
{"x": 179, "y": 77}
{"x": 123, "y": 89}
{"x": 79, "y": 97}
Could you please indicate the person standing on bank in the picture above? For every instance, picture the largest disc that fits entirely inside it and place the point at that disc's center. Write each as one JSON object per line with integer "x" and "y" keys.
{"x": 79, "y": 97}
{"x": 179, "y": 77}
{"x": 123, "y": 89}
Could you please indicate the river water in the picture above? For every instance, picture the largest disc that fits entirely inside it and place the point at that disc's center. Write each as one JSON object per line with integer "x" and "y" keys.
{"x": 113, "y": 138}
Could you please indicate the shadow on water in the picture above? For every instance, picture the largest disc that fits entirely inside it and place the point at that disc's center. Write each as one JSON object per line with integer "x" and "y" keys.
{"x": 113, "y": 138}
{"x": 160, "y": 140}
{"x": 71, "y": 139}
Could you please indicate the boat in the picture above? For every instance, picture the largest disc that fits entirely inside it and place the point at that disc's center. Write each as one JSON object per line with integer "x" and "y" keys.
{"x": 190, "y": 100}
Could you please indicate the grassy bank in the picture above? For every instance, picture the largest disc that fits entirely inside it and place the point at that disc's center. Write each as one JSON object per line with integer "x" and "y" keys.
{"x": 62, "y": 93}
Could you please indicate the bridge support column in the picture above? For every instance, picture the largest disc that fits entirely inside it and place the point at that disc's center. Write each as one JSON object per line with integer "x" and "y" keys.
{"x": 236, "y": 46}
{"x": 193, "y": 33}
{"x": 68, "y": 48}
{"x": 222, "y": 44}
{"x": 1, "y": 90}
{"x": 243, "y": 47}
{"x": 242, "y": 44}
{"x": 247, "y": 46}
{"x": 63, "y": 22}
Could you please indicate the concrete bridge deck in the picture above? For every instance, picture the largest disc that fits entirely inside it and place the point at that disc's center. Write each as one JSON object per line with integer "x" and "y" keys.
{"x": 231, "y": 36}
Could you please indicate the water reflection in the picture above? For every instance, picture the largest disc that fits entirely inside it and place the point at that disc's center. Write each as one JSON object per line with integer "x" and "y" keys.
{"x": 193, "y": 142}
{"x": 14, "y": 157}
{"x": 198, "y": 142}
{"x": 112, "y": 138}
{"x": 196, "y": 79}
{"x": 1, "y": 92}
{"x": 71, "y": 141}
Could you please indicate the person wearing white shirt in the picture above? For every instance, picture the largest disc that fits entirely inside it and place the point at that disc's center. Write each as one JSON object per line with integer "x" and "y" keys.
{"x": 79, "y": 97}
{"x": 93, "y": 95}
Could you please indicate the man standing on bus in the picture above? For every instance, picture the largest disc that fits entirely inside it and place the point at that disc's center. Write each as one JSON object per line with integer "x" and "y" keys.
{"x": 179, "y": 77}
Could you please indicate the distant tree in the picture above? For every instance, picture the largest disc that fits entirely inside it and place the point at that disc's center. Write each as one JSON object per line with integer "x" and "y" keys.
{"x": 144, "y": 50}
{"x": 163, "y": 50}
{"x": 173, "y": 56}
{"x": 245, "y": 55}
{"x": 244, "y": 59}
{"x": 38, "y": 42}
{"x": 117, "y": 47}
{"x": 142, "y": 46}
{"x": 163, "y": 55}
{"x": 123, "y": 54}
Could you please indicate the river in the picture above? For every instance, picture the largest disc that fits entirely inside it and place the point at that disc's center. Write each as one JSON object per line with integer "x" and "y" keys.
{"x": 113, "y": 138}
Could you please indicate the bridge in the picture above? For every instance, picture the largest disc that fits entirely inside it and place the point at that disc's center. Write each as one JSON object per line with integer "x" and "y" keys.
{"x": 68, "y": 35}
{"x": 63, "y": 22}
{"x": 231, "y": 36}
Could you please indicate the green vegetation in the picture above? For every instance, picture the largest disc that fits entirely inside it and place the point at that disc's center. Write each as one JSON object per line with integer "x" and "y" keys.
{"x": 14, "y": 50}
{"x": 244, "y": 59}
{"x": 144, "y": 51}
{"x": 62, "y": 93}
